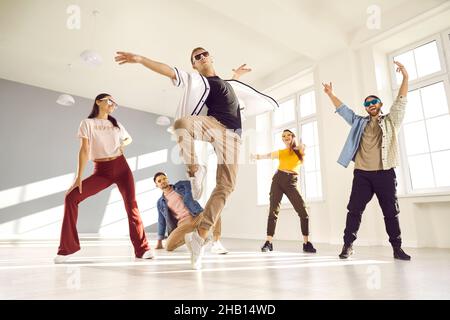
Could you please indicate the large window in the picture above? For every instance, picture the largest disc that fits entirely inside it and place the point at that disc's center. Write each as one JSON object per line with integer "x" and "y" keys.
{"x": 425, "y": 135}
{"x": 298, "y": 114}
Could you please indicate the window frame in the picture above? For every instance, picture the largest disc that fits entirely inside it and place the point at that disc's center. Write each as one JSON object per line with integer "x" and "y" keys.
{"x": 443, "y": 45}
{"x": 415, "y": 45}
{"x": 297, "y": 124}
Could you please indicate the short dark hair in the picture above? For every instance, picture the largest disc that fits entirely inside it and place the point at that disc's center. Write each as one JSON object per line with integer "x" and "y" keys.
{"x": 157, "y": 175}
{"x": 192, "y": 53}
{"x": 371, "y": 96}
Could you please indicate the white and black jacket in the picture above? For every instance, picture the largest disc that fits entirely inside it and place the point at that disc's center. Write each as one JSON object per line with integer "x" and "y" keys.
{"x": 196, "y": 91}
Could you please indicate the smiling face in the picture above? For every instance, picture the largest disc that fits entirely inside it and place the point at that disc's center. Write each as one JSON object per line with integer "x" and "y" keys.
{"x": 373, "y": 106}
{"x": 287, "y": 138}
{"x": 107, "y": 105}
{"x": 162, "y": 182}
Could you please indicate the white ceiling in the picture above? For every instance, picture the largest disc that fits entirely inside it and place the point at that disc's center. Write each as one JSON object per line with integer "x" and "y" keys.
{"x": 37, "y": 48}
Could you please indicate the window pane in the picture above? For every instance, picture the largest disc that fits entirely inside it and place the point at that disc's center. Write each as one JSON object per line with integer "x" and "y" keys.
{"x": 441, "y": 161}
{"x": 415, "y": 138}
{"x": 407, "y": 59}
{"x": 278, "y": 142}
{"x": 414, "y": 107}
{"x": 316, "y": 134}
{"x": 434, "y": 100}
{"x": 285, "y": 113}
{"x": 427, "y": 59}
{"x": 312, "y": 189}
{"x": 421, "y": 172}
{"x": 309, "y": 134}
{"x": 262, "y": 121}
{"x": 439, "y": 133}
{"x": 310, "y": 159}
{"x": 307, "y": 104}
{"x": 317, "y": 158}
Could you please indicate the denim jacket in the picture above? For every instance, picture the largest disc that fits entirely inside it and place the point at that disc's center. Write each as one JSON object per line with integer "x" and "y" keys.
{"x": 390, "y": 125}
{"x": 165, "y": 218}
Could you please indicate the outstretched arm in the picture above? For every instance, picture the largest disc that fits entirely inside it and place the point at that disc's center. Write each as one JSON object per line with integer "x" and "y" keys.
{"x": 328, "y": 89}
{"x": 237, "y": 73}
{"x": 158, "y": 67}
{"x": 270, "y": 155}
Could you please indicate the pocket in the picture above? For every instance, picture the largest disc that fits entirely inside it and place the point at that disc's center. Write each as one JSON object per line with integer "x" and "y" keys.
{"x": 294, "y": 179}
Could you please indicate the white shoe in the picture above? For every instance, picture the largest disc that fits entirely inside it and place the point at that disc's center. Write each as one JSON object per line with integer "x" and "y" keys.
{"x": 61, "y": 259}
{"x": 147, "y": 254}
{"x": 218, "y": 248}
{"x": 197, "y": 182}
{"x": 196, "y": 246}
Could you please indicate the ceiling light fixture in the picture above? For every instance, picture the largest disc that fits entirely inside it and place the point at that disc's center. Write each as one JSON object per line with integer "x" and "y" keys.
{"x": 162, "y": 121}
{"x": 89, "y": 56}
{"x": 65, "y": 100}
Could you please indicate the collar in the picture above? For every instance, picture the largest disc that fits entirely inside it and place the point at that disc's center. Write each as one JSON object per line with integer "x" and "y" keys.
{"x": 381, "y": 116}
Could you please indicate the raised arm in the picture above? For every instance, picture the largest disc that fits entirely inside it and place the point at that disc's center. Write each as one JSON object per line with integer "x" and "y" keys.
{"x": 398, "y": 108}
{"x": 403, "y": 91}
{"x": 237, "y": 73}
{"x": 158, "y": 67}
{"x": 328, "y": 89}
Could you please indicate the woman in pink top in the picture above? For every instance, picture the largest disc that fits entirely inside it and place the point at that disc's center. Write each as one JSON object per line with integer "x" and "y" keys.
{"x": 102, "y": 141}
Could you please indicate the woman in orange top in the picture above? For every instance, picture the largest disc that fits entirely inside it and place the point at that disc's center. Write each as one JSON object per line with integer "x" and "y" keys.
{"x": 285, "y": 182}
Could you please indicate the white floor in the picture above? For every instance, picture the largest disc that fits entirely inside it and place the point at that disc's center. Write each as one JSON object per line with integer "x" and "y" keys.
{"x": 106, "y": 269}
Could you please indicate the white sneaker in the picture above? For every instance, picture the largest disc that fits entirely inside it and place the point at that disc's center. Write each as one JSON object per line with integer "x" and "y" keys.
{"x": 196, "y": 246}
{"x": 218, "y": 248}
{"x": 147, "y": 254}
{"x": 197, "y": 182}
{"x": 61, "y": 259}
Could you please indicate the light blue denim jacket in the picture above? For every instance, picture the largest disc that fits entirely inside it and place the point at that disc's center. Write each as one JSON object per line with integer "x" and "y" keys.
{"x": 166, "y": 220}
{"x": 390, "y": 125}
{"x": 351, "y": 145}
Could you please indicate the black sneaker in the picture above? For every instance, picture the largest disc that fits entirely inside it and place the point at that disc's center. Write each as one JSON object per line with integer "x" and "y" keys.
{"x": 401, "y": 255}
{"x": 347, "y": 251}
{"x": 267, "y": 247}
{"x": 308, "y": 247}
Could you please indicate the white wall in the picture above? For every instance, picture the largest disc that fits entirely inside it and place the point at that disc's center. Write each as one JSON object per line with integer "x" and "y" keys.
{"x": 39, "y": 158}
{"x": 424, "y": 220}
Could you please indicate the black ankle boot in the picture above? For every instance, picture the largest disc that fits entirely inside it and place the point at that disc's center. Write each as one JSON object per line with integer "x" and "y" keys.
{"x": 400, "y": 254}
{"x": 267, "y": 247}
{"x": 347, "y": 251}
{"x": 308, "y": 247}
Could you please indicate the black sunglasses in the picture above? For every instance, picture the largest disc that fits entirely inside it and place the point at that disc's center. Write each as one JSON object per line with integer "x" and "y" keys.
{"x": 197, "y": 57}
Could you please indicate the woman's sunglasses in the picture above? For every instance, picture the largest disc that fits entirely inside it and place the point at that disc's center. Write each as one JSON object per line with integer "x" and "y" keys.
{"x": 109, "y": 101}
{"x": 197, "y": 57}
{"x": 371, "y": 102}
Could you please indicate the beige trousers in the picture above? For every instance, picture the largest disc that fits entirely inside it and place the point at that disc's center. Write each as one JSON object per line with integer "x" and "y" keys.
{"x": 176, "y": 237}
{"x": 226, "y": 145}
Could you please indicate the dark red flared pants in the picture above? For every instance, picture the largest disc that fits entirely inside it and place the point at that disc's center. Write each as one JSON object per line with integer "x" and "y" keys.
{"x": 105, "y": 173}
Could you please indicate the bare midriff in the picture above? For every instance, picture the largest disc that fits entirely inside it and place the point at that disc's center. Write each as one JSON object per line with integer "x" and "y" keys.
{"x": 105, "y": 159}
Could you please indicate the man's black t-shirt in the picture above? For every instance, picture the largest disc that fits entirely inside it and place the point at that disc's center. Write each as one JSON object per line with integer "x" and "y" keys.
{"x": 223, "y": 104}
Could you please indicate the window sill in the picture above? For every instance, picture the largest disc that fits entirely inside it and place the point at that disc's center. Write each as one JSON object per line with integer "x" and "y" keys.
{"x": 427, "y": 197}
